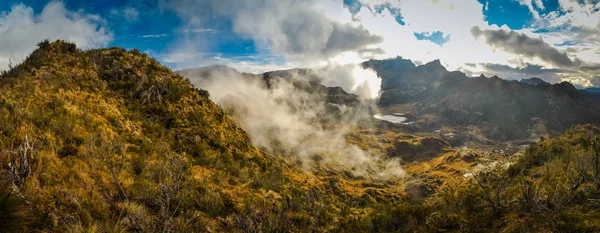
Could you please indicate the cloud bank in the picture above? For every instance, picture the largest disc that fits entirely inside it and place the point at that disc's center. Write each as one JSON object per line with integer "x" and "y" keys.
{"x": 294, "y": 28}
{"x": 521, "y": 44}
{"x": 21, "y": 30}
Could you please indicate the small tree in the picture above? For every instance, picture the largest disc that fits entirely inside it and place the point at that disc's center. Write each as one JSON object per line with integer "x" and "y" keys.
{"x": 595, "y": 149}
{"x": 18, "y": 166}
{"x": 593, "y": 146}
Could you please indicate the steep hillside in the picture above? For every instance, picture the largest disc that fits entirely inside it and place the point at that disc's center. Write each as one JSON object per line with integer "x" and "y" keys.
{"x": 501, "y": 109}
{"x": 108, "y": 140}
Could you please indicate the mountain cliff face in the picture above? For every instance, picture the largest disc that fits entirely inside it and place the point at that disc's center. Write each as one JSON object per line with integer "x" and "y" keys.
{"x": 503, "y": 110}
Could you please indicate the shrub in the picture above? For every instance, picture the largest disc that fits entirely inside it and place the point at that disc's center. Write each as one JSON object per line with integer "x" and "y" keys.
{"x": 13, "y": 212}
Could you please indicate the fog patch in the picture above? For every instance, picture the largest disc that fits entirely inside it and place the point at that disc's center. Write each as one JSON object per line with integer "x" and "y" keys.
{"x": 284, "y": 119}
{"x": 352, "y": 78}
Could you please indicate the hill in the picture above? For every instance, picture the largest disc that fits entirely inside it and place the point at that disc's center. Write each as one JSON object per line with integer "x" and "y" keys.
{"x": 109, "y": 140}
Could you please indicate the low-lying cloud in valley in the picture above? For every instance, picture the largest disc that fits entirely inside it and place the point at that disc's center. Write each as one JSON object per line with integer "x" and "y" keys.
{"x": 296, "y": 122}
{"x": 352, "y": 78}
{"x": 280, "y": 117}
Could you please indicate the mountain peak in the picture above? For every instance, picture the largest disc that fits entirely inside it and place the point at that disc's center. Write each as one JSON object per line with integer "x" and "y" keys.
{"x": 535, "y": 81}
{"x": 435, "y": 62}
{"x": 567, "y": 86}
{"x": 435, "y": 65}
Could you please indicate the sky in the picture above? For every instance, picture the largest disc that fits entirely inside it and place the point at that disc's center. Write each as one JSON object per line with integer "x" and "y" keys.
{"x": 556, "y": 40}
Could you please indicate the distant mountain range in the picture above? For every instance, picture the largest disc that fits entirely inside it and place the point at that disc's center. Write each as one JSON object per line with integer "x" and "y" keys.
{"x": 501, "y": 109}
{"x": 592, "y": 89}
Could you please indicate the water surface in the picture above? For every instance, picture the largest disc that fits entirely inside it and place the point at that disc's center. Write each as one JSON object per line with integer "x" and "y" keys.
{"x": 396, "y": 118}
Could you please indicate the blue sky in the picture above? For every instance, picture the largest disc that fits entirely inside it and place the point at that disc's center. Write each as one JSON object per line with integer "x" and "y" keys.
{"x": 257, "y": 36}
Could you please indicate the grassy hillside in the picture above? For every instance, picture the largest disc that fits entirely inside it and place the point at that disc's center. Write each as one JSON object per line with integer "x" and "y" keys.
{"x": 109, "y": 140}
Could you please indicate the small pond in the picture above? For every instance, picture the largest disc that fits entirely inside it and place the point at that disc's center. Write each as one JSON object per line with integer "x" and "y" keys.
{"x": 396, "y": 118}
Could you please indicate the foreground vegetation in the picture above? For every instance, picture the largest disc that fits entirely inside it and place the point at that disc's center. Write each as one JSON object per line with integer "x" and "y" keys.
{"x": 109, "y": 140}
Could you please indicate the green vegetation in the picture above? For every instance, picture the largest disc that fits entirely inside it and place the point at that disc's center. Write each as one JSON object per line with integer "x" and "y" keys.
{"x": 109, "y": 140}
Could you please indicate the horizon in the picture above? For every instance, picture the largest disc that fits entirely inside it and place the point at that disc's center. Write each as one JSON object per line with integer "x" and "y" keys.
{"x": 553, "y": 40}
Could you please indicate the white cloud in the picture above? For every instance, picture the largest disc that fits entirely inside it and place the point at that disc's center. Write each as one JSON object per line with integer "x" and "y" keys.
{"x": 296, "y": 29}
{"x": 200, "y": 30}
{"x": 250, "y": 64}
{"x": 530, "y": 4}
{"x": 454, "y": 18}
{"x": 352, "y": 78}
{"x": 154, "y": 35}
{"x": 21, "y": 30}
{"x": 451, "y": 17}
{"x": 582, "y": 17}
{"x": 129, "y": 13}
{"x": 283, "y": 116}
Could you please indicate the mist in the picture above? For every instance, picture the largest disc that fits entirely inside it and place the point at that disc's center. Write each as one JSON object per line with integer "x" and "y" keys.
{"x": 352, "y": 78}
{"x": 299, "y": 123}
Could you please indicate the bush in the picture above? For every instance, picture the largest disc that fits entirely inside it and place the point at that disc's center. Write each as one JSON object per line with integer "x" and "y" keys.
{"x": 13, "y": 212}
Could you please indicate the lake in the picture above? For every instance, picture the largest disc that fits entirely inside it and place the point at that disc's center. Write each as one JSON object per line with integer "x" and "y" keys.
{"x": 396, "y": 118}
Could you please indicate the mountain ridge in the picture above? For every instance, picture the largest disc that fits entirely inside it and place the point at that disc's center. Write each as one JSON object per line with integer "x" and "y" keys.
{"x": 504, "y": 110}
{"x": 525, "y": 110}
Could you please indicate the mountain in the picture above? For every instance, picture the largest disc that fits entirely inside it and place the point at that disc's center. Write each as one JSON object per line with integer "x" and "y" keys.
{"x": 502, "y": 110}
